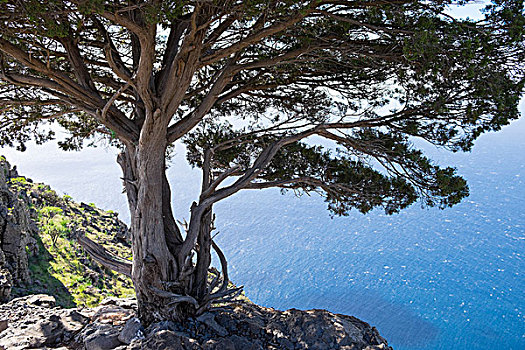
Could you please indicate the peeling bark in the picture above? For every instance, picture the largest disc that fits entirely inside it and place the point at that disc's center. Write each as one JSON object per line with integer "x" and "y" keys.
{"x": 169, "y": 280}
{"x": 102, "y": 256}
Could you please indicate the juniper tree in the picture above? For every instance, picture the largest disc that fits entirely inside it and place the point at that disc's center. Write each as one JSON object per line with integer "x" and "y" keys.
{"x": 311, "y": 96}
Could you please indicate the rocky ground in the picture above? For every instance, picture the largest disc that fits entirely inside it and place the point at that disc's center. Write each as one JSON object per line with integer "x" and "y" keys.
{"x": 33, "y": 322}
{"x": 40, "y": 252}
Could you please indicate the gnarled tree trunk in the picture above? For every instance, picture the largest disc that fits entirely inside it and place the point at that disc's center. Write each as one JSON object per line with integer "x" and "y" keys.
{"x": 154, "y": 265}
{"x": 169, "y": 282}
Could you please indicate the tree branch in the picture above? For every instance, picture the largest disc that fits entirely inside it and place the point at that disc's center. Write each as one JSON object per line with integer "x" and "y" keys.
{"x": 254, "y": 38}
{"x": 183, "y": 126}
{"x": 102, "y": 256}
{"x": 112, "y": 100}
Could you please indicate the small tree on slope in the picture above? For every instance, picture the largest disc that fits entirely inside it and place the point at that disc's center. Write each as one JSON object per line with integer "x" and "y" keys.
{"x": 252, "y": 88}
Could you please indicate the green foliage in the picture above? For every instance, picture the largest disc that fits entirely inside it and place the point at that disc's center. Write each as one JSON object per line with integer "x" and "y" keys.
{"x": 53, "y": 223}
{"x": 17, "y": 180}
{"x": 40, "y": 14}
{"x": 44, "y": 273}
{"x": 346, "y": 180}
{"x": 18, "y": 183}
{"x": 386, "y": 72}
{"x": 90, "y": 7}
{"x": 49, "y": 212}
{"x": 61, "y": 267}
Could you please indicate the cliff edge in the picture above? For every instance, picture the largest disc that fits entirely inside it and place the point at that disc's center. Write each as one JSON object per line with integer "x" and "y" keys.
{"x": 53, "y": 295}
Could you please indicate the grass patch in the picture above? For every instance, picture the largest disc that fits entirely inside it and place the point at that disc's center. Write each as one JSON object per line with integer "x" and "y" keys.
{"x": 61, "y": 267}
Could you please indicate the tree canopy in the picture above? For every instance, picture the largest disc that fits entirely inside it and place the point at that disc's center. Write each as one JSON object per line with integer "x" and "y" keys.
{"x": 319, "y": 95}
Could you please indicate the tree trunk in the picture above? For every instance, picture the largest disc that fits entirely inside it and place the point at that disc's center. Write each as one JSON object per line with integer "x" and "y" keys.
{"x": 154, "y": 265}
{"x": 169, "y": 283}
{"x": 204, "y": 238}
{"x": 155, "y": 235}
{"x": 202, "y": 265}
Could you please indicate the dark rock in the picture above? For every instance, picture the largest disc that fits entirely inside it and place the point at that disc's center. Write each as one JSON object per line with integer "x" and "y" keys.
{"x": 102, "y": 337}
{"x": 209, "y": 320}
{"x": 73, "y": 321}
{"x": 87, "y": 207}
{"x": 6, "y": 281}
{"x": 33, "y": 326}
{"x": 16, "y": 233}
{"x": 251, "y": 327}
{"x": 3, "y": 325}
{"x": 221, "y": 344}
{"x": 161, "y": 326}
{"x": 227, "y": 322}
{"x": 286, "y": 344}
{"x": 112, "y": 314}
{"x": 246, "y": 327}
{"x": 125, "y": 303}
{"x": 242, "y": 343}
{"x": 165, "y": 340}
{"x": 132, "y": 330}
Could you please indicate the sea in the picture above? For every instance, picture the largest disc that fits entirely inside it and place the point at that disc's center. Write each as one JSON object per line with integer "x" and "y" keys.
{"x": 428, "y": 279}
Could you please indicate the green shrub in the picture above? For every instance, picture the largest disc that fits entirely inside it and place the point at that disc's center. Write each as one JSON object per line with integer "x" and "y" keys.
{"x": 50, "y": 196}
{"x": 18, "y": 180}
{"x": 50, "y": 211}
{"x": 53, "y": 223}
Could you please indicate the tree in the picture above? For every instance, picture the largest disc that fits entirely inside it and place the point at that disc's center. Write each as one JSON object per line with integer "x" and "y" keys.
{"x": 252, "y": 88}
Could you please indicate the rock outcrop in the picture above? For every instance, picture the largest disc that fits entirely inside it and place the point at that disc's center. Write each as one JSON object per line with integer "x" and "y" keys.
{"x": 35, "y": 323}
{"x": 17, "y": 231}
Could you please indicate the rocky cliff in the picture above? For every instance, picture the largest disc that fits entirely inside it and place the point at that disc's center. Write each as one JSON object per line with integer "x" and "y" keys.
{"x": 40, "y": 252}
{"x": 40, "y": 244}
{"x": 17, "y": 232}
{"x": 34, "y": 323}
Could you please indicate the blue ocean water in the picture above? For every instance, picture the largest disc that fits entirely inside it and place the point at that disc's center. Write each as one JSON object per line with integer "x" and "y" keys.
{"x": 427, "y": 279}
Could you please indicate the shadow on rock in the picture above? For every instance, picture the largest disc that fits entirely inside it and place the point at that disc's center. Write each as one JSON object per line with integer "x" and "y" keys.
{"x": 34, "y": 322}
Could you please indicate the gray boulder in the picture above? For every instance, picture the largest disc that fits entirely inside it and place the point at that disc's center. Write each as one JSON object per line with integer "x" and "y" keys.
{"x": 104, "y": 337}
{"x": 34, "y": 324}
{"x": 132, "y": 330}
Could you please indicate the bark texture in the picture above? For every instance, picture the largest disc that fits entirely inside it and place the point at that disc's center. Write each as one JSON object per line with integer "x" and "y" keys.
{"x": 170, "y": 272}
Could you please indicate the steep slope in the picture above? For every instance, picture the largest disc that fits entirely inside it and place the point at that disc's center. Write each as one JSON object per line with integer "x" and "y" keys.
{"x": 40, "y": 250}
{"x": 18, "y": 233}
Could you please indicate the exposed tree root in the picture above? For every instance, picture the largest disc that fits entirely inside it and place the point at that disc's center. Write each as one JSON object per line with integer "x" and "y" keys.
{"x": 218, "y": 291}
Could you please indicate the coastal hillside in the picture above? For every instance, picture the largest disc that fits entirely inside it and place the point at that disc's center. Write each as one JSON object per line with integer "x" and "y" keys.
{"x": 54, "y": 295}
{"x": 40, "y": 250}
